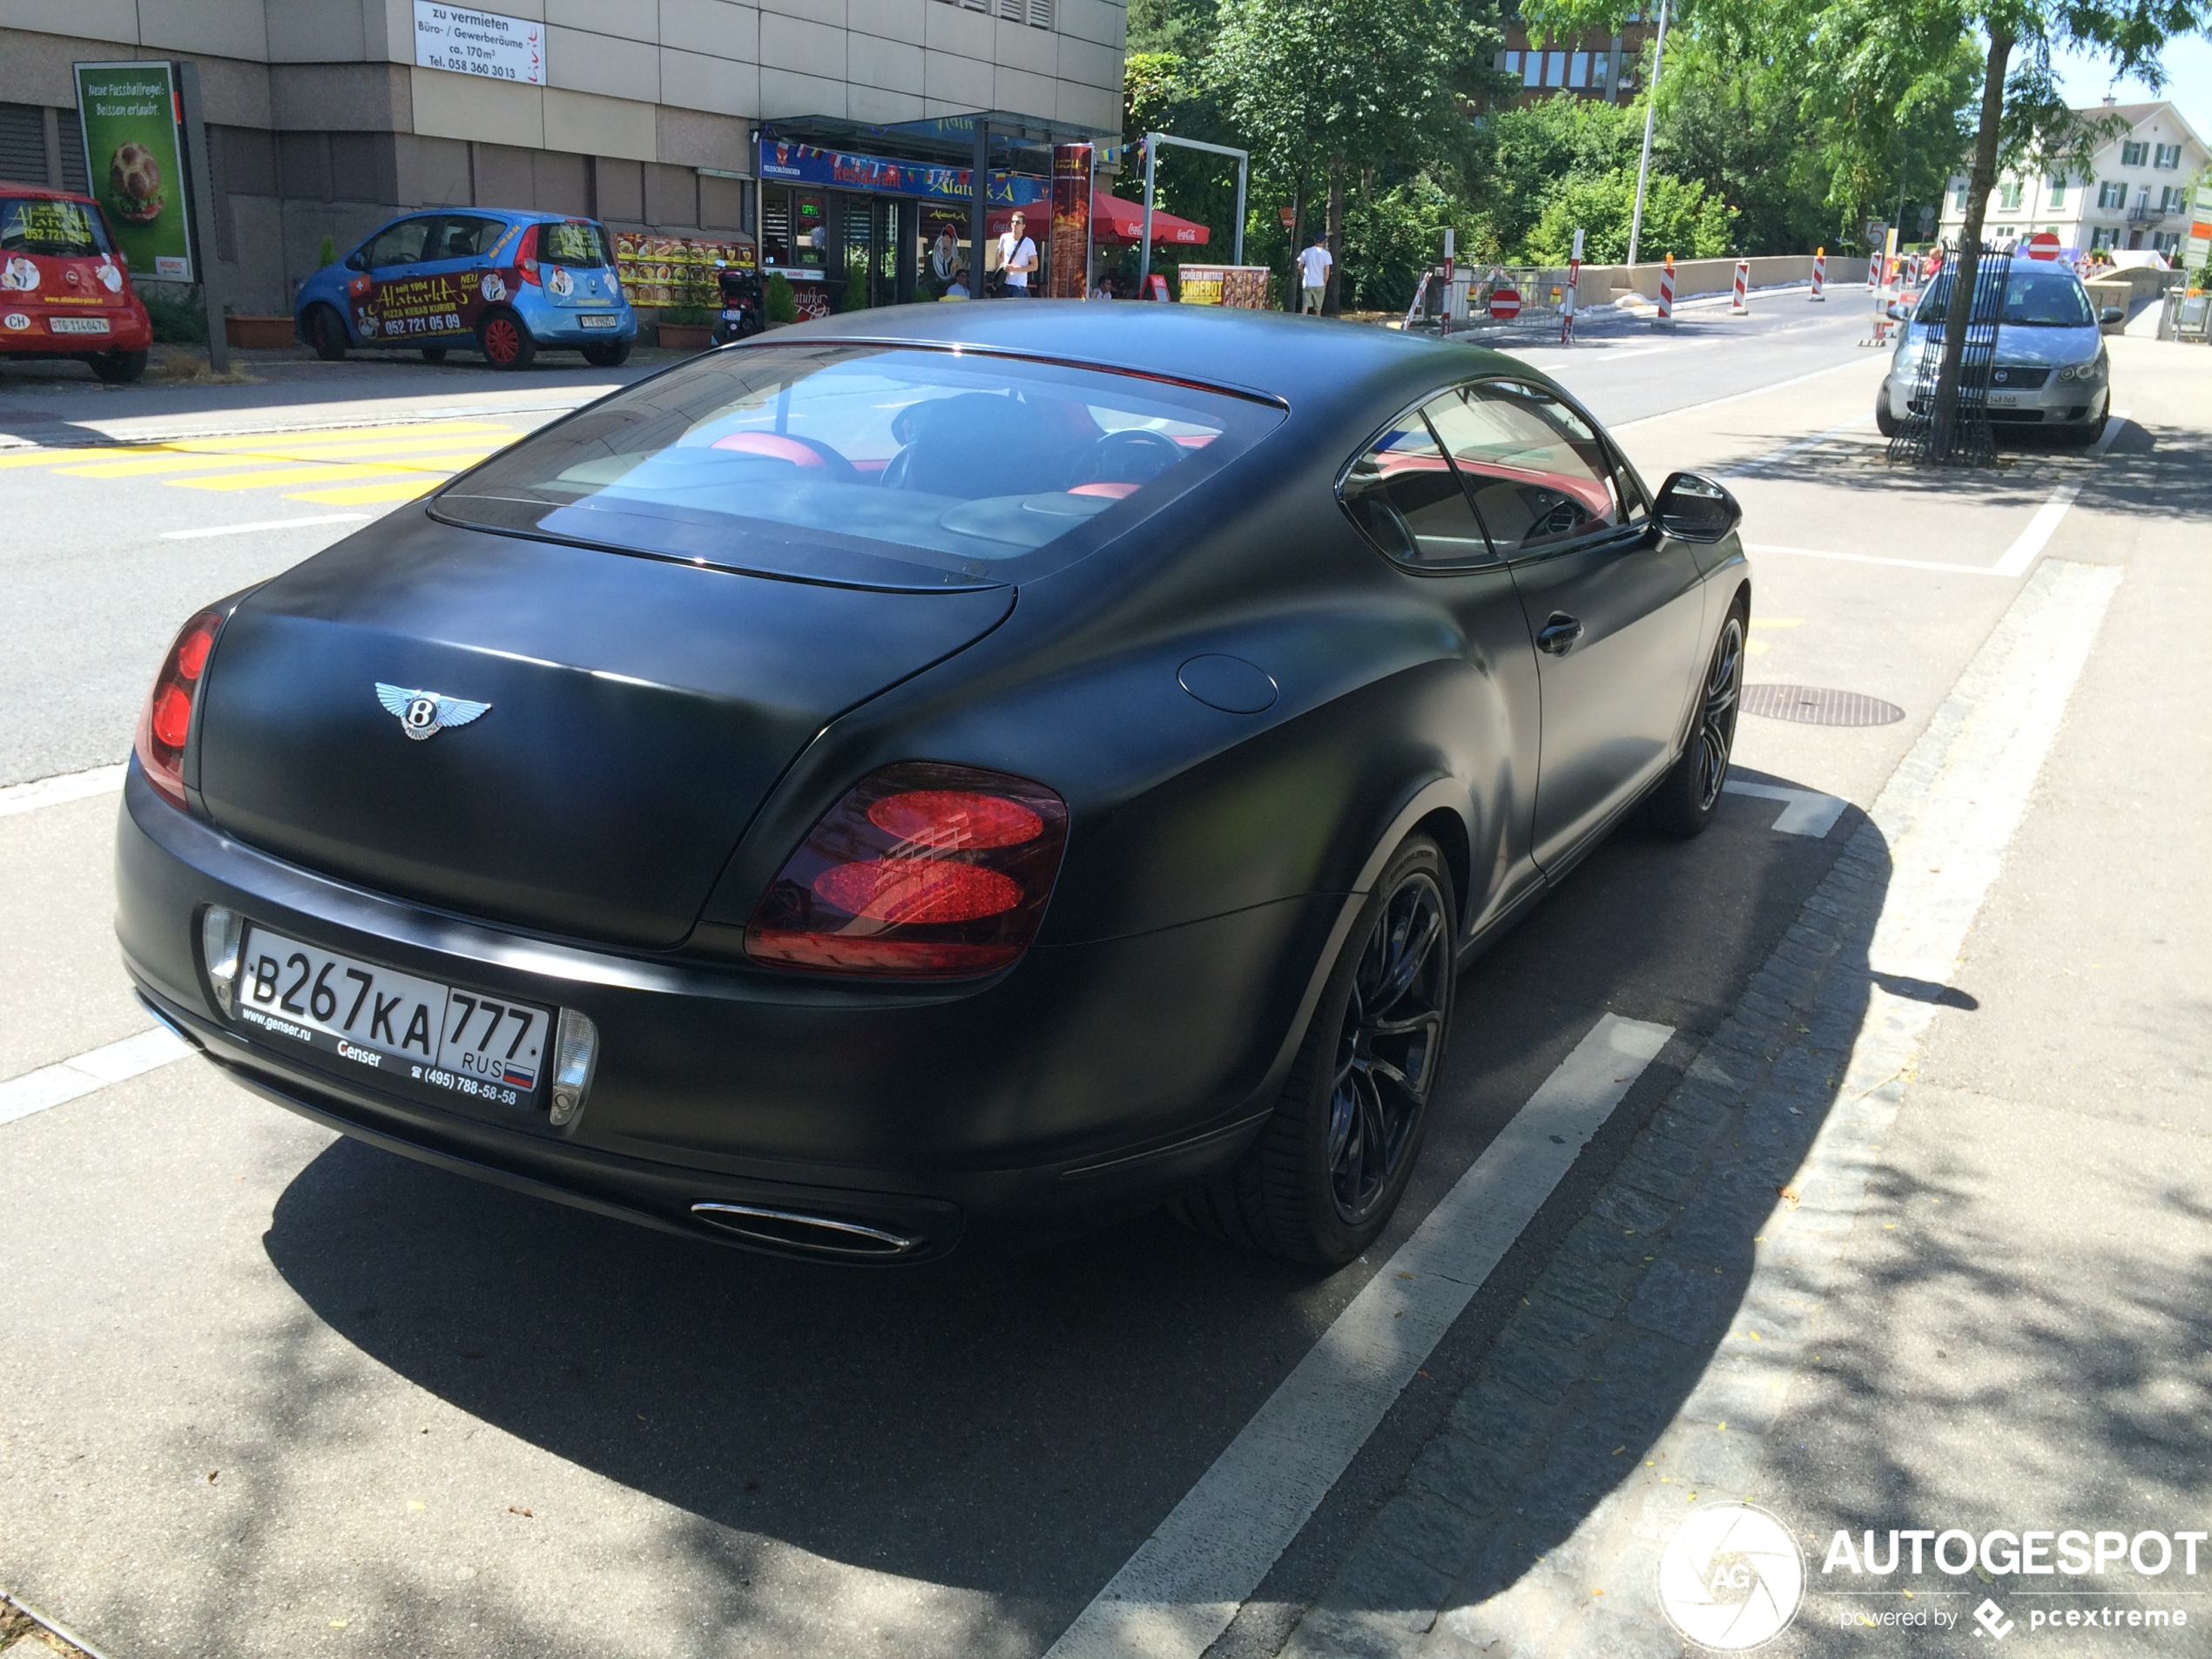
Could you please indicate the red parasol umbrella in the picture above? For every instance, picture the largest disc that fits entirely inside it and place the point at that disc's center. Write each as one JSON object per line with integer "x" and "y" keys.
{"x": 1114, "y": 223}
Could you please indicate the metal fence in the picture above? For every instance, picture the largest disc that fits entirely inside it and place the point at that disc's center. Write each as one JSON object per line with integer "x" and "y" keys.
{"x": 1972, "y": 444}
{"x": 1541, "y": 288}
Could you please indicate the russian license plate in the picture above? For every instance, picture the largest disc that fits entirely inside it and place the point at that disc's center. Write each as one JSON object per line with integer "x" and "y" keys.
{"x": 2004, "y": 399}
{"x": 78, "y": 325}
{"x": 590, "y": 320}
{"x": 378, "y": 1019}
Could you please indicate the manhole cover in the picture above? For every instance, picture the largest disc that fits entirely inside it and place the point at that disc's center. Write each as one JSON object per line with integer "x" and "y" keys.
{"x": 1818, "y": 705}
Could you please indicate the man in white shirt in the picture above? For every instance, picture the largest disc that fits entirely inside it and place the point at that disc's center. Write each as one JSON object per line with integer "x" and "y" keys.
{"x": 1017, "y": 258}
{"x": 1313, "y": 273}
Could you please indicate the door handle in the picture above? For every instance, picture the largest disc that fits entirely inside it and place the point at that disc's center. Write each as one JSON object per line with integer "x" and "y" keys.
{"x": 1558, "y": 636}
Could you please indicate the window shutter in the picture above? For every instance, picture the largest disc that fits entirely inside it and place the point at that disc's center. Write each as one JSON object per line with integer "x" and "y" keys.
{"x": 1039, "y": 14}
{"x": 22, "y": 142}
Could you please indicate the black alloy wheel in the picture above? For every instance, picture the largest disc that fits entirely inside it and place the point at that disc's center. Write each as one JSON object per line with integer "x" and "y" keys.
{"x": 326, "y": 333}
{"x": 1387, "y": 1046}
{"x": 1885, "y": 422}
{"x": 1682, "y": 805}
{"x": 1330, "y": 1166}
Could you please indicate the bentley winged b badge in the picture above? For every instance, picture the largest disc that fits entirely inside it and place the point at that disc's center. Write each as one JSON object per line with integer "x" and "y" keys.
{"x": 424, "y": 714}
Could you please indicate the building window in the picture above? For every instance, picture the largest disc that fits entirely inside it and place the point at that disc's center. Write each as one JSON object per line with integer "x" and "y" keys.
{"x": 2057, "y": 186}
{"x": 2166, "y": 242}
{"x": 1959, "y": 196}
{"x": 1578, "y": 69}
{"x": 2008, "y": 196}
{"x": 1508, "y": 63}
{"x": 1532, "y": 70}
{"x": 2105, "y": 236}
{"x": 1554, "y": 69}
{"x": 2133, "y": 154}
{"x": 2114, "y": 194}
{"x": 2168, "y": 157}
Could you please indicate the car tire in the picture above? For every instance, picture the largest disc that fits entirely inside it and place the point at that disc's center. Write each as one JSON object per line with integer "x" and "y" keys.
{"x": 433, "y": 354}
{"x": 118, "y": 367}
{"x": 505, "y": 340}
{"x": 611, "y": 354}
{"x": 1334, "y": 1160}
{"x": 326, "y": 333}
{"x": 1684, "y": 801}
{"x": 2080, "y": 437}
{"x": 1885, "y": 422}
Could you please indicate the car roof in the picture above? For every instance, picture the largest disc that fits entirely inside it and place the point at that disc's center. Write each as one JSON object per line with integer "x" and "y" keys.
{"x": 1269, "y": 353}
{"x": 7, "y": 188}
{"x": 517, "y": 215}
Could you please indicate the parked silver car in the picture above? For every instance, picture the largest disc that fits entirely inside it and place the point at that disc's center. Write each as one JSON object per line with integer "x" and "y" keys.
{"x": 2051, "y": 367}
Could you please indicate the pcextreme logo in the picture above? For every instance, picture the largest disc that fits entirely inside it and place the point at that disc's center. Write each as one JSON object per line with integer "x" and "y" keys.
{"x": 1731, "y": 1578}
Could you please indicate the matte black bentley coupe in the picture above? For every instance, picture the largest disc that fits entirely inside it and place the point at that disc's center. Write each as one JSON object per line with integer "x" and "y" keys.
{"x": 959, "y": 767}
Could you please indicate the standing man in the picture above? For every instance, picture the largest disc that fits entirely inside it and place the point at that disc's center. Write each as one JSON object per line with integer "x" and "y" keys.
{"x": 1313, "y": 273}
{"x": 1017, "y": 258}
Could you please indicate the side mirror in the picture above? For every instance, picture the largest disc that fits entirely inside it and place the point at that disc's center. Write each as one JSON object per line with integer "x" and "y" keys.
{"x": 357, "y": 261}
{"x": 1897, "y": 312}
{"x": 2110, "y": 315}
{"x": 1695, "y": 509}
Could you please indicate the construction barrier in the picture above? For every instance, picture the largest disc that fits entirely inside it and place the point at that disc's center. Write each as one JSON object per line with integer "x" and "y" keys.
{"x": 1819, "y": 272}
{"x": 1667, "y": 291}
{"x": 1741, "y": 304}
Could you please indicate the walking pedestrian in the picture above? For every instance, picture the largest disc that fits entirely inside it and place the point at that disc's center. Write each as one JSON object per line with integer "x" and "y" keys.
{"x": 1017, "y": 258}
{"x": 1313, "y": 273}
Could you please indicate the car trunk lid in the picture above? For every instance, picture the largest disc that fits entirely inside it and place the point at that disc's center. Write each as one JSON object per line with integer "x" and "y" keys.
{"x": 640, "y": 710}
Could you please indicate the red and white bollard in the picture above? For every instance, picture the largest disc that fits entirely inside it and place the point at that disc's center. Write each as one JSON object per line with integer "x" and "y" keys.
{"x": 1740, "y": 305}
{"x": 1819, "y": 272}
{"x": 1667, "y": 290}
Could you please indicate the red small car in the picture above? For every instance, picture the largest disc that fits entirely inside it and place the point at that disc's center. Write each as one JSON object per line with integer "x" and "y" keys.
{"x": 64, "y": 289}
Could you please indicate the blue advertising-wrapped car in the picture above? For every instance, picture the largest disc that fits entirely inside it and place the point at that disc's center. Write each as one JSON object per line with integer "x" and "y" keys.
{"x": 506, "y": 283}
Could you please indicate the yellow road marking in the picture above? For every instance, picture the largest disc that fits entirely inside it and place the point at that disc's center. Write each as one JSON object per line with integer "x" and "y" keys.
{"x": 268, "y": 477}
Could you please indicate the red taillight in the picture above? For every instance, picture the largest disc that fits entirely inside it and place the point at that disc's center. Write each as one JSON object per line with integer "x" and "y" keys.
{"x": 526, "y": 255}
{"x": 166, "y": 720}
{"x": 924, "y": 870}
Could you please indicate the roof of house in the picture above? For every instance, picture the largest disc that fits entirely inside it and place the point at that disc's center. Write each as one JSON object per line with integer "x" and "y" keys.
{"x": 2136, "y": 114}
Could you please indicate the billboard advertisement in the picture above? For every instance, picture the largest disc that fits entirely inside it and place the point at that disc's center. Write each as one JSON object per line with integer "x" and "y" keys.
{"x": 134, "y": 148}
{"x": 484, "y": 44}
{"x": 1068, "y": 277}
{"x": 807, "y": 164}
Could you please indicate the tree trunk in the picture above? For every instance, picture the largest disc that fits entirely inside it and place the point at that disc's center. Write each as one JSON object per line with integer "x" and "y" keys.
{"x": 1944, "y": 418}
{"x": 1292, "y": 296}
{"x": 1333, "y": 300}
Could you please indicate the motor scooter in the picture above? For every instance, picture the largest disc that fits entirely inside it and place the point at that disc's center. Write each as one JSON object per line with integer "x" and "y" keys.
{"x": 744, "y": 311}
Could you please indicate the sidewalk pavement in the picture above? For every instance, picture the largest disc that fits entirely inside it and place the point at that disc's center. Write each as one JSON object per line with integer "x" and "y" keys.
{"x": 1919, "y": 1241}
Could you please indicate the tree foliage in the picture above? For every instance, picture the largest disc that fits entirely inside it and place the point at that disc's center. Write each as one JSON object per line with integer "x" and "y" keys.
{"x": 1679, "y": 218}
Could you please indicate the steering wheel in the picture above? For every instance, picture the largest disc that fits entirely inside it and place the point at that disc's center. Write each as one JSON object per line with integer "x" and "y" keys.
{"x": 1135, "y": 456}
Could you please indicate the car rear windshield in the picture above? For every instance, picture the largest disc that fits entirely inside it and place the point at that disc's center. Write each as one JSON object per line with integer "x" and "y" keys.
{"x": 2033, "y": 300}
{"x": 885, "y": 466}
{"x": 54, "y": 230}
{"x": 572, "y": 241}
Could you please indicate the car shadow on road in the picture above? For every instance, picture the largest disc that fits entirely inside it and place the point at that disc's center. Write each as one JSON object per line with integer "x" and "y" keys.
{"x": 1015, "y": 1424}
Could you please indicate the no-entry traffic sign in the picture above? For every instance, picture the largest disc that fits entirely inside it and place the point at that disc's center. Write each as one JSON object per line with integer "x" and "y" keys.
{"x": 2044, "y": 245}
{"x": 1504, "y": 305}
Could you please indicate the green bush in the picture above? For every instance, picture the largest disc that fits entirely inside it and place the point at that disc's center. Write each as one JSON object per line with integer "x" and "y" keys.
{"x": 327, "y": 254}
{"x": 689, "y": 316}
{"x": 1679, "y": 219}
{"x": 780, "y": 303}
{"x": 856, "y": 292}
{"x": 179, "y": 315}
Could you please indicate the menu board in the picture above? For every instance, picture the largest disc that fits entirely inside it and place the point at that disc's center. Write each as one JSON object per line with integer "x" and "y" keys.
{"x": 675, "y": 270}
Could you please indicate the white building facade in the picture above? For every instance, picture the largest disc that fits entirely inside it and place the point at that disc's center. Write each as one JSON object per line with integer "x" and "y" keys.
{"x": 645, "y": 114}
{"x": 2141, "y": 191}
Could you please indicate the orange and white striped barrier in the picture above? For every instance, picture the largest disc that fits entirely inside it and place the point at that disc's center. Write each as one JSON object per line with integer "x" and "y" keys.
{"x": 1667, "y": 290}
{"x": 1819, "y": 272}
{"x": 1741, "y": 304}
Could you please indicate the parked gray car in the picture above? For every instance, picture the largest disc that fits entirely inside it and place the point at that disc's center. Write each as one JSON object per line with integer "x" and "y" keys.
{"x": 2051, "y": 367}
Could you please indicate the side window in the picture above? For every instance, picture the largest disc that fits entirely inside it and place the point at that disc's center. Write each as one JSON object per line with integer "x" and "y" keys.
{"x": 1403, "y": 495}
{"x": 400, "y": 244}
{"x": 1540, "y": 477}
{"x": 466, "y": 236}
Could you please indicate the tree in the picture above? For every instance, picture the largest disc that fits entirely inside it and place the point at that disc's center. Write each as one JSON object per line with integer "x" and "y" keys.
{"x": 1537, "y": 149}
{"x": 1337, "y": 92}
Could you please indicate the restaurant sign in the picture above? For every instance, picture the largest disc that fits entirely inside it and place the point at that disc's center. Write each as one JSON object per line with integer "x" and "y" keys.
{"x": 807, "y": 164}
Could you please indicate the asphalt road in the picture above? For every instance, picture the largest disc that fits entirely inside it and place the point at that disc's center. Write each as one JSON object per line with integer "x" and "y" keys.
{"x": 269, "y": 1391}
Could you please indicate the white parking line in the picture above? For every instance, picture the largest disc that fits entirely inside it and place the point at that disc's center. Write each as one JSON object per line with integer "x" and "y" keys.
{"x": 2032, "y": 541}
{"x": 68, "y": 785}
{"x": 1804, "y": 812}
{"x": 264, "y": 524}
{"x": 1183, "y": 1586}
{"x": 87, "y": 1073}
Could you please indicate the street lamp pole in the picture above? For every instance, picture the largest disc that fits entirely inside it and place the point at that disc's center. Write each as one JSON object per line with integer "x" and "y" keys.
{"x": 1650, "y": 103}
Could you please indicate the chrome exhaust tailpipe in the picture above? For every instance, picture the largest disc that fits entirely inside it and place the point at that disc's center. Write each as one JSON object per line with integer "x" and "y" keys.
{"x": 793, "y": 1230}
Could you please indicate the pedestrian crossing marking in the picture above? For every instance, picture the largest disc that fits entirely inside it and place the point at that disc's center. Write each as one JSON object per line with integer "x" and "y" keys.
{"x": 357, "y": 464}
